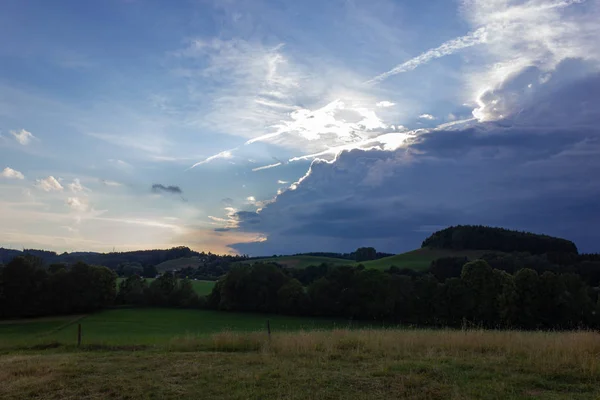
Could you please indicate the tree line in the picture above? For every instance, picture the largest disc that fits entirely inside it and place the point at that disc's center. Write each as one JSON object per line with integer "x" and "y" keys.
{"x": 481, "y": 296}
{"x": 112, "y": 260}
{"x": 29, "y": 290}
{"x": 477, "y": 237}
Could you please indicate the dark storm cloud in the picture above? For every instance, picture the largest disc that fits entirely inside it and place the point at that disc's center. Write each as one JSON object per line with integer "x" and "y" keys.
{"x": 158, "y": 188}
{"x": 538, "y": 170}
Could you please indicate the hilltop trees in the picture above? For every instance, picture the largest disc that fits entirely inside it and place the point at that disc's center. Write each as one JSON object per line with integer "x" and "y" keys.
{"x": 488, "y": 238}
{"x": 365, "y": 254}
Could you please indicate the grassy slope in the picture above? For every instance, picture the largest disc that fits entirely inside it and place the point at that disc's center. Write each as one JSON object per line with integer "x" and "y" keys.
{"x": 366, "y": 364}
{"x": 303, "y": 261}
{"x": 201, "y": 287}
{"x": 420, "y": 259}
{"x": 178, "y": 263}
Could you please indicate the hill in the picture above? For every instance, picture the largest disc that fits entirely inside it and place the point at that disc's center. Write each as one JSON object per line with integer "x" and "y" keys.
{"x": 420, "y": 259}
{"x": 179, "y": 263}
{"x": 302, "y": 261}
{"x": 490, "y": 238}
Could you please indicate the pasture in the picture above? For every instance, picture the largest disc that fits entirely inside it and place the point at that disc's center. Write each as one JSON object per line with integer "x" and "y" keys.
{"x": 178, "y": 263}
{"x": 301, "y": 261}
{"x": 420, "y": 259}
{"x": 202, "y": 288}
{"x": 325, "y": 364}
{"x": 147, "y": 326}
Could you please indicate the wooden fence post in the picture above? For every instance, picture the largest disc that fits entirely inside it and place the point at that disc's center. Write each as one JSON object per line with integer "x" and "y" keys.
{"x": 269, "y": 329}
{"x": 78, "y": 335}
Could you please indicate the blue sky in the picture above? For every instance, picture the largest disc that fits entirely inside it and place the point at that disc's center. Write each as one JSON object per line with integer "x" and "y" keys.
{"x": 280, "y": 127}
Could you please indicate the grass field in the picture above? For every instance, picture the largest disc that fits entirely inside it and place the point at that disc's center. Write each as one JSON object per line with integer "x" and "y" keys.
{"x": 303, "y": 261}
{"x": 338, "y": 364}
{"x": 420, "y": 259}
{"x": 148, "y": 326}
{"x": 201, "y": 287}
{"x": 178, "y": 263}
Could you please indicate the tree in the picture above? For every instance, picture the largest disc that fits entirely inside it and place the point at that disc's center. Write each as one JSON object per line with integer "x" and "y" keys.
{"x": 479, "y": 279}
{"x": 365, "y": 254}
{"x": 132, "y": 291}
{"x": 455, "y": 302}
{"x": 447, "y": 267}
{"x": 149, "y": 271}
{"x": 292, "y": 299}
{"x": 22, "y": 285}
{"x": 527, "y": 286}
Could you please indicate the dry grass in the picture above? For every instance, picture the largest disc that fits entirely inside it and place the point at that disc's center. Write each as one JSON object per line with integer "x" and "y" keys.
{"x": 416, "y": 364}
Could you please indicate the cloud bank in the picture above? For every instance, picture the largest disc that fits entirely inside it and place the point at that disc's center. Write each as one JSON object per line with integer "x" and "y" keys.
{"x": 537, "y": 169}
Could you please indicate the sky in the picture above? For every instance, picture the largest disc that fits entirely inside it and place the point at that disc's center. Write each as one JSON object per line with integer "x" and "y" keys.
{"x": 277, "y": 127}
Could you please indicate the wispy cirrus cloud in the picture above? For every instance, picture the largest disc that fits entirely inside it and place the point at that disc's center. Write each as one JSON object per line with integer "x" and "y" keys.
{"x": 222, "y": 155}
{"x": 22, "y": 136}
{"x": 266, "y": 167}
{"x": 427, "y": 116}
{"x": 106, "y": 182}
{"x": 452, "y": 46}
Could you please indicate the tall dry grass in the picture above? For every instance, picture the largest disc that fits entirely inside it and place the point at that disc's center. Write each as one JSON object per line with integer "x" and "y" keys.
{"x": 550, "y": 351}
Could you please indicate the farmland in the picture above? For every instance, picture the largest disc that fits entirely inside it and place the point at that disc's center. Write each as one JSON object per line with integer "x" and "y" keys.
{"x": 159, "y": 360}
{"x": 145, "y": 326}
{"x": 420, "y": 259}
{"x": 302, "y": 261}
{"x": 179, "y": 263}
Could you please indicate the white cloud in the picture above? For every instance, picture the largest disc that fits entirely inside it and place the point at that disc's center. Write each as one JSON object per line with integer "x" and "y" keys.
{"x": 266, "y": 167}
{"x": 282, "y": 182}
{"x": 110, "y": 183}
{"x": 76, "y": 186}
{"x": 10, "y": 173}
{"x": 251, "y": 199}
{"x": 78, "y": 203}
{"x": 534, "y": 33}
{"x": 149, "y": 143}
{"x": 222, "y": 155}
{"x": 385, "y": 104}
{"x": 120, "y": 163}
{"x": 49, "y": 184}
{"x": 447, "y": 48}
{"x": 22, "y": 136}
{"x": 427, "y": 116}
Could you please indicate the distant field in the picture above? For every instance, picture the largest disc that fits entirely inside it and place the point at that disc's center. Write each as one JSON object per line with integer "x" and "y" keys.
{"x": 147, "y": 326}
{"x": 420, "y": 259}
{"x": 338, "y": 364}
{"x": 201, "y": 287}
{"x": 302, "y": 261}
{"x": 178, "y": 263}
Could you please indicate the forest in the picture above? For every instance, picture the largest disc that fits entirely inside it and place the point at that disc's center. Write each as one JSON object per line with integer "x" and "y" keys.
{"x": 518, "y": 287}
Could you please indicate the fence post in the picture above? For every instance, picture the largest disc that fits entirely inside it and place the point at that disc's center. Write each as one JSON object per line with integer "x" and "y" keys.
{"x": 269, "y": 329}
{"x": 78, "y": 335}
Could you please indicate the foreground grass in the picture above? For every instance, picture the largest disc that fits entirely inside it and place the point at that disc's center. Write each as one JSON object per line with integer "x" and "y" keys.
{"x": 361, "y": 364}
